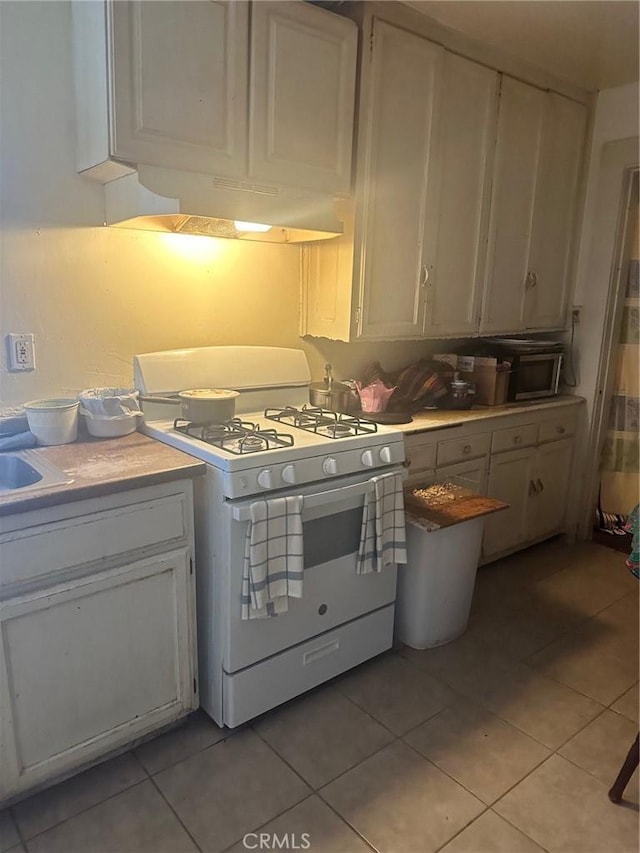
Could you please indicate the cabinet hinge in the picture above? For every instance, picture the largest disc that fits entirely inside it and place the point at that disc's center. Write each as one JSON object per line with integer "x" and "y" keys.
{"x": 358, "y": 315}
{"x": 190, "y": 565}
{"x": 371, "y": 40}
{"x": 479, "y": 318}
{"x": 195, "y": 686}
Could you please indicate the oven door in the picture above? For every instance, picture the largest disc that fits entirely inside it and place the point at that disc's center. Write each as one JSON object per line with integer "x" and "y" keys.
{"x": 333, "y": 593}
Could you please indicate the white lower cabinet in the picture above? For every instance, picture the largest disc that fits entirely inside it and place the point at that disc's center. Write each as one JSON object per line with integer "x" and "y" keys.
{"x": 549, "y": 497}
{"x": 509, "y": 481}
{"x": 524, "y": 459}
{"x": 90, "y": 663}
{"x": 535, "y": 484}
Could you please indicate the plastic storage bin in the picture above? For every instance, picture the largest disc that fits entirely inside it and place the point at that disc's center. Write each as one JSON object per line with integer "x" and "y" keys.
{"x": 435, "y": 587}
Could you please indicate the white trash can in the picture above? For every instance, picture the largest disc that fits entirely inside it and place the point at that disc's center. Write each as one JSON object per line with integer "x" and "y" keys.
{"x": 435, "y": 587}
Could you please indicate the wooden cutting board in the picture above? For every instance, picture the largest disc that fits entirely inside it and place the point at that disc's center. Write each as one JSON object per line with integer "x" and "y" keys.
{"x": 462, "y": 505}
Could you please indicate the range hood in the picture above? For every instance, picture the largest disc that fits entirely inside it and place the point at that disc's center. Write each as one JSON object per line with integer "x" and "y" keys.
{"x": 150, "y": 198}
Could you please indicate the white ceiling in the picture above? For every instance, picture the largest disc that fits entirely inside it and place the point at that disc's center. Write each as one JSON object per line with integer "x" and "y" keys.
{"x": 591, "y": 43}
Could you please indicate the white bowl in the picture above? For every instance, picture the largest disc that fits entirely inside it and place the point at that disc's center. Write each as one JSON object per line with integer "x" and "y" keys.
{"x": 53, "y": 421}
{"x": 110, "y": 426}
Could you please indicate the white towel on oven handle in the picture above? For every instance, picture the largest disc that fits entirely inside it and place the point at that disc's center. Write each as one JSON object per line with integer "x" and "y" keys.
{"x": 274, "y": 557}
{"x": 383, "y": 539}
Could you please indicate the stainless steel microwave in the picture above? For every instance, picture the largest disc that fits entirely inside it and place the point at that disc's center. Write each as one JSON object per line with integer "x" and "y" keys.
{"x": 535, "y": 367}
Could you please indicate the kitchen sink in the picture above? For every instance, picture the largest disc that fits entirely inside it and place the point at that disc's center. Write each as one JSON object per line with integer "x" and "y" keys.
{"x": 25, "y": 470}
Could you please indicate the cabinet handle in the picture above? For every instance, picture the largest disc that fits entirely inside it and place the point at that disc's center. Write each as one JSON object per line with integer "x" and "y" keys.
{"x": 424, "y": 278}
{"x": 530, "y": 281}
{"x": 532, "y": 488}
{"x": 540, "y": 485}
{"x": 560, "y": 430}
{"x": 467, "y": 448}
{"x": 517, "y": 439}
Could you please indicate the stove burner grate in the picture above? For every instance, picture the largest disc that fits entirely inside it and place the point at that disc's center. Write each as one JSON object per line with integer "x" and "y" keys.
{"x": 235, "y": 436}
{"x": 321, "y": 421}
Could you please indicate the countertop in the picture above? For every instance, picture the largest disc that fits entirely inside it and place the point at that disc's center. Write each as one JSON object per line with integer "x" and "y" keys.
{"x": 430, "y": 419}
{"x": 98, "y": 467}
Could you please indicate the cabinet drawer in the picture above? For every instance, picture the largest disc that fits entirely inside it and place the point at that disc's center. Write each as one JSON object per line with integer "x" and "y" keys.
{"x": 514, "y": 437}
{"x": 50, "y": 548}
{"x": 460, "y": 449}
{"x": 420, "y": 457}
{"x": 254, "y": 690}
{"x": 561, "y": 425}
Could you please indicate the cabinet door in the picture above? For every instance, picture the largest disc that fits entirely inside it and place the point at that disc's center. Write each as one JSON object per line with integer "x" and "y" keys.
{"x": 514, "y": 184}
{"x": 551, "y": 478}
{"x": 554, "y": 212}
{"x": 88, "y": 666}
{"x": 467, "y": 127}
{"x": 471, "y": 475}
{"x": 180, "y": 78}
{"x": 398, "y": 173}
{"x": 302, "y": 96}
{"x": 510, "y": 477}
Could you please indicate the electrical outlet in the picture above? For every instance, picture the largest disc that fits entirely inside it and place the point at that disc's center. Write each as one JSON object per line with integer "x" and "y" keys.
{"x": 22, "y": 351}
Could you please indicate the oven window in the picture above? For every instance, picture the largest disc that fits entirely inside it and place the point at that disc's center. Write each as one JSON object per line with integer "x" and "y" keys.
{"x": 331, "y": 536}
{"x": 536, "y": 376}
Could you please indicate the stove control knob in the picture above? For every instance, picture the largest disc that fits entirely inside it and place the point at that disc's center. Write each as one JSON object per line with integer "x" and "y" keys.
{"x": 385, "y": 454}
{"x": 367, "y": 459}
{"x": 265, "y": 478}
{"x": 289, "y": 474}
{"x": 330, "y": 466}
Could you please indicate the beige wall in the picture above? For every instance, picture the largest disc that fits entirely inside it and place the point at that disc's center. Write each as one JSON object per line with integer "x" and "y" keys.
{"x": 94, "y": 296}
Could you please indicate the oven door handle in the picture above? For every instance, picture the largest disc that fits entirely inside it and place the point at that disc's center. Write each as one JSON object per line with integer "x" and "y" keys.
{"x": 243, "y": 513}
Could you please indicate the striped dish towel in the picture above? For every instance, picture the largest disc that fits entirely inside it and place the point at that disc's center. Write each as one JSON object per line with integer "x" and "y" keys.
{"x": 273, "y": 557}
{"x": 382, "y": 537}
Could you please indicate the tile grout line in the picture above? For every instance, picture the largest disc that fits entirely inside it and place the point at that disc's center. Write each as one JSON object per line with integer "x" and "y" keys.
{"x": 83, "y": 811}
{"x": 174, "y": 812}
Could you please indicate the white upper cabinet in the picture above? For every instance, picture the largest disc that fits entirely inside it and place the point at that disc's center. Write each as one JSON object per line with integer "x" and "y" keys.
{"x": 399, "y": 173}
{"x": 180, "y": 84}
{"x": 464, "y": 205}
{"x": 512, "y": 199}
{"x": 537, "y": 162}
{"x": 302, "y": 92}
{"x": 459, "y": 225}
{"x": 253, "y": 91}
{"x": 554, "y": 212}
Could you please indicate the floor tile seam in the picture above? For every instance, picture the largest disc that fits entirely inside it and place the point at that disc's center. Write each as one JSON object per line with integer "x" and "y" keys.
{"x": 369, "y": 714}
{"x": 232, "y": 733}
{"x": 463, "y": 828}
{"x": 21, "y": 838}
{"x": 624, "y": 693}
{"x": 446, "y": 773}
{"x": 309, "y": 785}
{"x": 126, "y": 787}
{"x": 499, "y": 797}
{"x": 571, "y": 687}
{"x": 480, "y": 700}
{"x": 605, "y": 785}
{"x": 523, "y": 831}
{"x": 313, "y": 793}
{"x": 175, "y": 814}
{"x": 31, "y": 838}
{"x": 395, "y": 735}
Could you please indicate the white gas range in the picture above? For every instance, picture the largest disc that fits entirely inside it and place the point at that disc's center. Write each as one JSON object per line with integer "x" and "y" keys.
{"x": 276, "y": 446}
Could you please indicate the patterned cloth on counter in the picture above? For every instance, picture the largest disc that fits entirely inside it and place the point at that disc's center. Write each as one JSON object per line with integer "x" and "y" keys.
{"x": 273, "y": 558}
{"x": 383, "y": 536}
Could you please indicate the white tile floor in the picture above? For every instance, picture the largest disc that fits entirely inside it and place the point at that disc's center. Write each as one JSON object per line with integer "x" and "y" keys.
{"x": 505, "y": 741}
